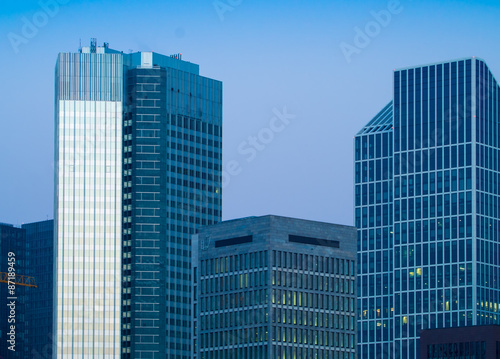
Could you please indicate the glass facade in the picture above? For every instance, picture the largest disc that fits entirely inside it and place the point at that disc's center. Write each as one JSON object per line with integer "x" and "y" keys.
{"x": 12, "y": 240}
{"x": 88, "y": 203}
{"x": 39, "y": 308}
{"x": 426, "y": 188}
{"x": 171, "y": 186}
{"x": 31, "y": 247}
{"x": 274, "y": 287}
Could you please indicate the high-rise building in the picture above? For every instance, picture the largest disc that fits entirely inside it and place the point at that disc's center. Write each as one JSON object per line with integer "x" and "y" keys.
{"x": 426, "y": 202}
{"x": 28, "y": 252}
{"x": 138, "y": 169}
{"x": 88, "y": 202}
{"x": 13, "y": 298}
{"x": 40, "y": 300}
{"x": 172, "y": 186}
{"x": 274, "y": 287}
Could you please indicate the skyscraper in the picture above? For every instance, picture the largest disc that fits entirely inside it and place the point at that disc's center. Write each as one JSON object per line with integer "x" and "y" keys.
{"x": 39, "y": 304}
{"x": 172, "y": 185}
{"x": 88, "y": 202}
{"x": 138, "y": 164}
{"x": 31, "y": 248}
{"x": 13, "y": 259}
{"x": 426, "y": 199}
{"x": 274, "y": 287}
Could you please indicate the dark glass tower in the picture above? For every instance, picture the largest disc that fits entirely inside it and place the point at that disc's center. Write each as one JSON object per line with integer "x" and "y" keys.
{"x": 32, "y": 248}
{"x": 13, "y": 256}
{"x": 40, "y": 300}
{"x": 172, "y": 175}
{"x": 427, "y": 196}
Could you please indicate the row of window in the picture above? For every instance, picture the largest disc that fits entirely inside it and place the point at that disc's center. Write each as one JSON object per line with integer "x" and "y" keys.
{"x": 373, "y": 146}
{"x": 433, "y": 300}
{"x": 234, "y": 282}
{"x": 326, "y": 339}
{"x": 292, "y": 317}
{"x": 233, "y": 337}
{"x": 193, "y": 124}
{"x": 487, "y": 93}
{"x": 233, "y": 300}
{"x": 441, "y": 252}
{"x": 199, "y": 138}
{"x": 234, "y": 318}
{"x": 312, "y": 281}
{"x": 433, "y": 206}
{"x": 313, "y": 300}
{"x": 278, "y": 351}
{"x": 433, "y": 230}
{"x": 234, "y": 263}
{"x": 313, "y": 337}
{"x": 314, "y": 263}
{"x": 433, "y": 277}
{"x": 377, "y": 238}
{"x": 382, "y": 330}
{"x": 488, "y": 158}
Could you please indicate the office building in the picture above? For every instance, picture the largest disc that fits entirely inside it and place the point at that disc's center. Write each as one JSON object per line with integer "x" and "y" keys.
{"x": 274, "y": 287}
{"x": 13, "y": 259}
{"x": 479, "y": 342}
{"x": 31, "y": 246}
{"x": 426, "y": 208}
{"x": 40, "y": 300}
{"x": 172, "y": 186}
{"x": 88, "y": 203}
{"x": 138, "y": 169}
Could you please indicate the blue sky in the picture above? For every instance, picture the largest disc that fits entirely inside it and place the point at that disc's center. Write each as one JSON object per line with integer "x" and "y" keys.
{"x": 270, "y": 55}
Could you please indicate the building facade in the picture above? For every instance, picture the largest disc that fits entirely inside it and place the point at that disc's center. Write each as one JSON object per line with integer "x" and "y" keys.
{"x": 31, "y": 246}
{"x": 138, "y": 168}
{"x": 479, "y": 342}
{"x": 88, "y": 202}
{"x": 40, "y": 300}
{"x": 13, "y": 298}
{"x": 274, "y": 287}
{"x": 172, "y": 185}
{"x": 426, "y": 208}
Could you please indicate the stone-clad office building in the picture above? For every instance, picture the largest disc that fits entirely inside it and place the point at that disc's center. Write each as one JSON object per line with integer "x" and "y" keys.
{"x": 274, "y": 287}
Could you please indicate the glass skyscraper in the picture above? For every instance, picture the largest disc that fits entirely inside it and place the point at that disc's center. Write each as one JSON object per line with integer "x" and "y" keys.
{"x": 138, "y": 169}
{"x": 172, "y": 186}
{"x": 32, "y": 248}
{"x": 39, "y": 305}
{"x": 426, "y": 208}
{"x": 274, "y": 287}
{"x": 12, "y": 245}
{"x": 88, "y": 202}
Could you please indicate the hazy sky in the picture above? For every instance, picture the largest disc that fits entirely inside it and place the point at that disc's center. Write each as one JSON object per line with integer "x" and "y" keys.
{"x": 326, "y": 64}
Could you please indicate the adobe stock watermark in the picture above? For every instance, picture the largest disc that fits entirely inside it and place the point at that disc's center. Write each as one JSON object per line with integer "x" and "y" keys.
{"x": 363, "y": 36}
{"x": 30, "y": 27}
{"x": 223, "y": 6}
{"x": 254, "y": 144}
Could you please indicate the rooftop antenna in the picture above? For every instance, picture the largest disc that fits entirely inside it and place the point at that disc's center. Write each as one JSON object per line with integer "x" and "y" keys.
{"x": 93, "y": 45}
{"x": 80, "y": 47}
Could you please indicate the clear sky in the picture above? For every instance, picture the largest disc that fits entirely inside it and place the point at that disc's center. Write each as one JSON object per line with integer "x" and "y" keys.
{"x": 325, "y": 65}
